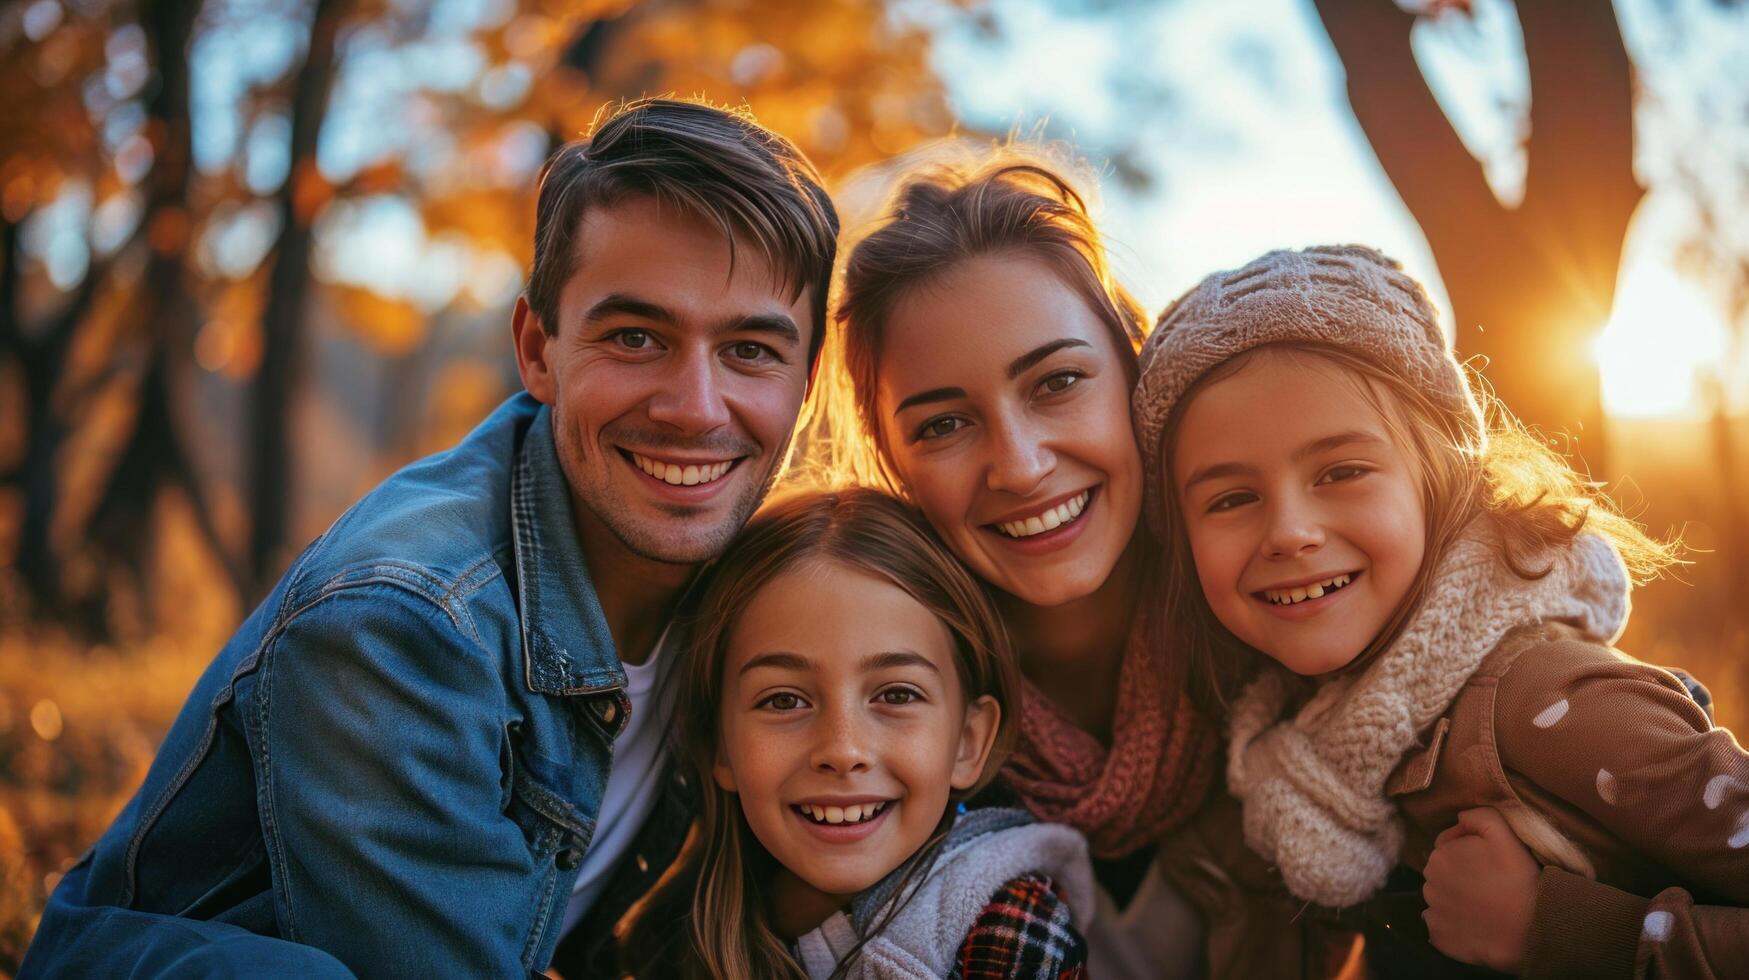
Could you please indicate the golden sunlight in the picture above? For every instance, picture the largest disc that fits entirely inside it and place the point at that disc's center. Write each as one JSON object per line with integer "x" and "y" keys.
{"x": 1660, "y": 337}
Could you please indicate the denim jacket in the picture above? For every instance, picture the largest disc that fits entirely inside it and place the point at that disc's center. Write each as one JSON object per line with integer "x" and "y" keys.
{"x": 394, "y": 766}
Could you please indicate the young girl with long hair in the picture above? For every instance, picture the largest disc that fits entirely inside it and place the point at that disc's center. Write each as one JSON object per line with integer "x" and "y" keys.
{"x": 988, "y": 356}
{"x": 1406, "y": 606}
{"x": 847, "y": 685}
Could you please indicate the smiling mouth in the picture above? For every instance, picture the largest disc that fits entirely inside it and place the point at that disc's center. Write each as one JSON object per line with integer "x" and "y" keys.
{"x": 831, "y": 815}
{"x": 1301, "y": 593}
{"x": 1066, "y": 512}
{"x": 681, "y": 474}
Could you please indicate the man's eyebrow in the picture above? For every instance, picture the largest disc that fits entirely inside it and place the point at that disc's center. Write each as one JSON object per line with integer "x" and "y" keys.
{"x": 932, "y": 395}
{"x": 777, "y": 660}
{"x": 1041, "y": 352}
{"x": 623, "y": 304}
{"x": 766, "y": 323}
{"x": 897, "y": 658}
{"x": 1335, "y": 441}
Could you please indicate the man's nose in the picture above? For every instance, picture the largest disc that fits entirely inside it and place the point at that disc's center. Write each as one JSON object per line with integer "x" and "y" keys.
{"x": 691, "y": 397}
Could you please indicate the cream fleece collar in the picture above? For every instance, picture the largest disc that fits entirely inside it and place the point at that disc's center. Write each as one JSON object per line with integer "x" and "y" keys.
{"x": 1312, "y": 787}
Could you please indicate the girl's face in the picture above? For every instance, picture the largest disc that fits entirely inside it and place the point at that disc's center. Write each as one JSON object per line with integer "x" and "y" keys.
{"x": 1003, "y": 404}
{"x": 844, "y": 726}
{"x": 1305, "y": 517}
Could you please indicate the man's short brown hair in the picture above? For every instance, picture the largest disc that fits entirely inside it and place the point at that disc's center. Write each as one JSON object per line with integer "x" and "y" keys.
{"x": 721, "y": 164}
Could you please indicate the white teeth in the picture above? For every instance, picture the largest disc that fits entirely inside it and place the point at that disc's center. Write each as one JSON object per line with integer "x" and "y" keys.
{"x": 682, "y": 476}
{"x": 855, "y": 813}
{"x": 1287, "y": 597}
{"x": 1050, "y": 520}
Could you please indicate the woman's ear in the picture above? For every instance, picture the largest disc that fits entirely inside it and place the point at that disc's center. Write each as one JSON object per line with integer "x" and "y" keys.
{"x": 977, "y": 738}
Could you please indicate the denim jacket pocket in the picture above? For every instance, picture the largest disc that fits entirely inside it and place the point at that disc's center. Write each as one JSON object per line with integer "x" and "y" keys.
{"x": 212, "y": 805}
{"x": 557, "y": 834}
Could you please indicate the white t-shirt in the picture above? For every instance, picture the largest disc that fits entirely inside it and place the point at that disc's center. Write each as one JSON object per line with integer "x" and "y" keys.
{"x": 633, "y": 783}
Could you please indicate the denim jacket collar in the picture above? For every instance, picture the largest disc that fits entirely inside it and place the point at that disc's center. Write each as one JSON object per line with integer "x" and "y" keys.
{"x": 567, "y": 648}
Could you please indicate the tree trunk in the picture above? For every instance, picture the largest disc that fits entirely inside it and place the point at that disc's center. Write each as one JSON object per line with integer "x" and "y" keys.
{"x": 1531, "y": 287}
{"x": 154, "y": 454}
{"x": 269, "y": 472}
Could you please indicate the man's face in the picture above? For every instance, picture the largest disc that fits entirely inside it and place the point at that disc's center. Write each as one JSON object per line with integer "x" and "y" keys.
{"x": 674, "y": 381}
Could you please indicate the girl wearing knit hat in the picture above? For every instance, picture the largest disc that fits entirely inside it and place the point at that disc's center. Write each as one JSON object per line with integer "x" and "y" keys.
{"x": 990, "y": 358}
{"x": 1406, "y": 607}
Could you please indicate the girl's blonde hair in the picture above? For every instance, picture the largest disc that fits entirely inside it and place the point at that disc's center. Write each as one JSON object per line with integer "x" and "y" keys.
{"x": 705, "y": 918}
{"x": 1015, "y": 201}
{"x": 1510, "y": 478}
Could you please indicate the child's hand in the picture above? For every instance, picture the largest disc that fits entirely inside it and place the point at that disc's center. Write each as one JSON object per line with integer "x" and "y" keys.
{"x": 1480, "y": 891}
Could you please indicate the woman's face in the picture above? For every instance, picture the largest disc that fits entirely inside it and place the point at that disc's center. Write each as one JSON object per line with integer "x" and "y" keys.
{"x": 1003, "y": 404}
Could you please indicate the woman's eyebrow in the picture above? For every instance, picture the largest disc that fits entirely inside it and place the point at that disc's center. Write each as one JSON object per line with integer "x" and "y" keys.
{"x": 1039, "y": 353}
{"x": 932, "y": 395}
{"x": 1015, "y": 369}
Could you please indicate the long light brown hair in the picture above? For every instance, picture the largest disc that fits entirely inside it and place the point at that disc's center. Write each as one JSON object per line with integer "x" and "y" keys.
{"x": 1016, "y": 200}
{"x": 1535, "y": 501}
{"x": 706, "y": 917}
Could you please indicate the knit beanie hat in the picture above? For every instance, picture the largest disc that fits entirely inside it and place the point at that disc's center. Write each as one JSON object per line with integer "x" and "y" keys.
{"x": 1343, "y": 296}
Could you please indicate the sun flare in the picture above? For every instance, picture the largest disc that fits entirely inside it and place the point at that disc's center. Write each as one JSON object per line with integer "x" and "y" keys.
{"x": 1662, "y": 334}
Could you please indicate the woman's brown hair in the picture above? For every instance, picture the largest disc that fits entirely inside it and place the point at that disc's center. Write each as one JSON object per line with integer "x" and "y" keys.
{"x": 705, "y": 918}
{"x": 1535, "y": 502}
{"x": 1013, "y": 202}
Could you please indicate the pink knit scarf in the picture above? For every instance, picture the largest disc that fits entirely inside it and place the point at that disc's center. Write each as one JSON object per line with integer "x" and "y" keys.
{"x": 1153, "y": 776}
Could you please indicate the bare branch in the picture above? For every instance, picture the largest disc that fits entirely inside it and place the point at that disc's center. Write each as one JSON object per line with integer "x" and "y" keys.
{"x": 1434, "y": 173}
{"x": 1580, "y": 188}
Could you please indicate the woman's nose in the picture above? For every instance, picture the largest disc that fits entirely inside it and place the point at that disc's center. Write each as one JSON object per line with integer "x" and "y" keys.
{"x": 1020, "y": 458}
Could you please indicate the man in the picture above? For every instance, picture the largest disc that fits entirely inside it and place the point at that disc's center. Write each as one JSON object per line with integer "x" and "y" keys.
{"x": 429, "y": 749}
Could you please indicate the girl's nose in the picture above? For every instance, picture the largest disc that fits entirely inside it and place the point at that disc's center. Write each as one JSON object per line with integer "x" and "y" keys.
{"x": 841, "y": 746}
{"x": 1293, "y": 531}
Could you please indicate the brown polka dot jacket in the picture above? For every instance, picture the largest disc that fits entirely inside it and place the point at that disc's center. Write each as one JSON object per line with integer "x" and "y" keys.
{"x": 1605, "y": 767}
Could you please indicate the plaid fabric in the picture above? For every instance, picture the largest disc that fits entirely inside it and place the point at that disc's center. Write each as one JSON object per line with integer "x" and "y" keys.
{"x": 1024, "y": 932}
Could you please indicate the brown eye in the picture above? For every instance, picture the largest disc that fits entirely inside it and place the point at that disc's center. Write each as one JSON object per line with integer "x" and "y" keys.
{"x": 1336, "y": 474}
{"x": 782, "y": 701}
{"x": 1057, "y": 383}
{"x": 947, "y": 425}
{"x": 898, "y": 696}
{"x": 1231, "y": 501}
{"x": 749, "y": 351}
{"x": 634, "y": 339}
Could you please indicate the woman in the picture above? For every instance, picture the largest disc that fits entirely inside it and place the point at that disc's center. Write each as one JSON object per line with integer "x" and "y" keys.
{"x": 990, "y": 357}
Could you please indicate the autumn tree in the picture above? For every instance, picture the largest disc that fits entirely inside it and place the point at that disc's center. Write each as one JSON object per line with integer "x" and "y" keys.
{"x": 159, "y": 309}
{"x": 1531, "y": 284}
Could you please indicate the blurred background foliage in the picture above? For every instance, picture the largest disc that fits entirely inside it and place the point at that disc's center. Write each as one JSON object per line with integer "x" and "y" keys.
{"x": 257, "y": 254}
